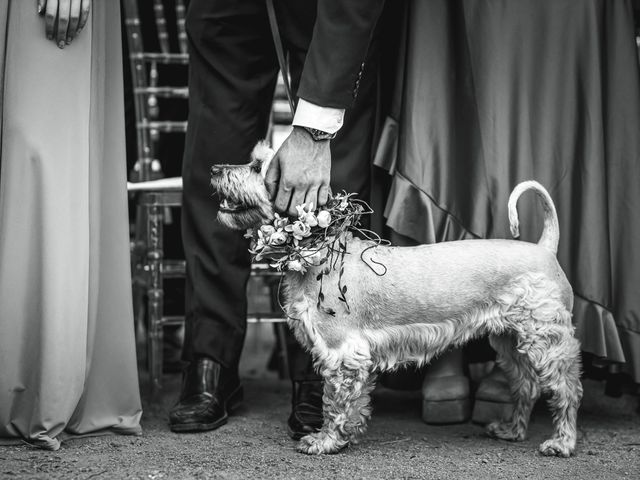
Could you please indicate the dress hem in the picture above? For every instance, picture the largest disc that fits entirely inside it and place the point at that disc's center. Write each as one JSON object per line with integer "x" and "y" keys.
{"x": 412, "y": 213}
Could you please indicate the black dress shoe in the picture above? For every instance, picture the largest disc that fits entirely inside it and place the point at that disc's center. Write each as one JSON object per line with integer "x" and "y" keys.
{"x": 209, "y": 392}
{"x": 306, "y": 409}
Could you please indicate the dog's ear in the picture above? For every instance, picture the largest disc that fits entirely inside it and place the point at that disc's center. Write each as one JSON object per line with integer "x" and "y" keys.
{"x": 261, "y": 157}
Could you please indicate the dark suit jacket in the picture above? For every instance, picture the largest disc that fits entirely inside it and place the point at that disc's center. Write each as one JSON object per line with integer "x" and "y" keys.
{"x": 335, "y": 60}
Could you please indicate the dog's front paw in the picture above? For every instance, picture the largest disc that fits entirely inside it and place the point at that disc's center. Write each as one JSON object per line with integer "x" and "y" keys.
{"x": 319, "y": 443}
{"x": 556, "y": 448}
{"x": 505, "y": 431}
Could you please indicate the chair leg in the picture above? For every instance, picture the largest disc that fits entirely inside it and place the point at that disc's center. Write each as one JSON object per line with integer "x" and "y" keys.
{"x": 139, "y": 275}
{"x": 155, "y": 295}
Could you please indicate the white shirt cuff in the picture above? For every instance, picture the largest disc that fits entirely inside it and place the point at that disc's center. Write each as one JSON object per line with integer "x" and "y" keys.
{"x": 310, "y": 115}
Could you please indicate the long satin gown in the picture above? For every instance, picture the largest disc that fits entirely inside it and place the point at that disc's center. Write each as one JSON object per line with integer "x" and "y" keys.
{"x": 494, "y": 92}
{"x": 67, "y": 349}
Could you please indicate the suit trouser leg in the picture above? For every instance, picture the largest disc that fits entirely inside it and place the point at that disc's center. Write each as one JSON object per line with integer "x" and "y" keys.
{"x": 232, "y": 75}
{"x": 351, "y": 151}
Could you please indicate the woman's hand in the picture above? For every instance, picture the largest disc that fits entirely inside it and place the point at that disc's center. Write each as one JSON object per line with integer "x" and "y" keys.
{"x": 64, "y": 19}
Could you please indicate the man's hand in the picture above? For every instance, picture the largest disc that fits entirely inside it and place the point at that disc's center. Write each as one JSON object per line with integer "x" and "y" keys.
{"x": 299, "y": 172}
{"x": 64, "y": 19}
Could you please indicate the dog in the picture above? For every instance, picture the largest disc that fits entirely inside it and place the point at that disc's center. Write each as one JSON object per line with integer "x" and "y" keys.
{"x": 429, "y": 299}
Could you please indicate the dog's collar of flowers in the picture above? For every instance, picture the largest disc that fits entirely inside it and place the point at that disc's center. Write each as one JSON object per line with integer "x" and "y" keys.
{"x": 311, "y": 239}
{"x": 318, "y": 237}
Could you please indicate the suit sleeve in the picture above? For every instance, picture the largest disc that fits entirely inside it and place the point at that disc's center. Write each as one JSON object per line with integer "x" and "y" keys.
{"x": 337, "y": 51}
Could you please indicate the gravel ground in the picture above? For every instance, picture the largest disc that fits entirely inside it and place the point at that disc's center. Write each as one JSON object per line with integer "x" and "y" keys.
{"x": 254, "y": 444}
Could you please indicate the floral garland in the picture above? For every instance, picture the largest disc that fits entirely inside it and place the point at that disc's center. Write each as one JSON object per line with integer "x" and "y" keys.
{"x": 297, "y": 244}
{"x": 315, "y": 238}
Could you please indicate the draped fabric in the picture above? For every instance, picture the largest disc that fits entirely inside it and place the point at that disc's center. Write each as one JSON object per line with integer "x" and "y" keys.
{"x": 494, "y": 92}
{"x": 67, "y": 350}
{"x": 4, "y": 18}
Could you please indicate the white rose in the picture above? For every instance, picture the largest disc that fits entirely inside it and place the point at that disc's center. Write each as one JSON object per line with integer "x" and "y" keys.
{"x": 300, "y": 230}
{"x": 324, "y": 219}
{"x": 278, "y": 238}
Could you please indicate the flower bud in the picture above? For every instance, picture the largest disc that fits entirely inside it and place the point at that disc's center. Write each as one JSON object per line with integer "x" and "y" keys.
{"x": 280, "y": 222}
{"x": 296, "y": 266}
{"x": 267, "y": 230}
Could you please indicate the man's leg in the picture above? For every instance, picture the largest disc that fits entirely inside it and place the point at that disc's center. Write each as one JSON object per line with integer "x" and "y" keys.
{"x": 350, "y": 171}
{"x": 231, "y": 81}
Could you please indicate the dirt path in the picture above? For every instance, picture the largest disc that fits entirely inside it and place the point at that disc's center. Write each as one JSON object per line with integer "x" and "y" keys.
{"x": 254, "y": 444}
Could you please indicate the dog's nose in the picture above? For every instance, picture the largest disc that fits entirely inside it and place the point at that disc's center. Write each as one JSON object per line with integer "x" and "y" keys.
{"x": 215, "y": 170}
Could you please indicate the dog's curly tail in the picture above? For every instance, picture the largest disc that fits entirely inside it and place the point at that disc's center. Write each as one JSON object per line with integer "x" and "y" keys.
{"x": 551, "y": 231}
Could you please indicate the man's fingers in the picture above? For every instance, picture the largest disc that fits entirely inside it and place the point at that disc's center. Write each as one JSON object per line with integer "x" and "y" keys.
{"x": 50, "y": 15}
{"x": 312, "y": 197}
{"x": 323, "y": 195}
{"x": 64, "y": 8}
{"x": 84, "y": 14}
{"x": 272, "y": 177}
{"x": 298, "y": 198}
{"x": 283, "y": 199}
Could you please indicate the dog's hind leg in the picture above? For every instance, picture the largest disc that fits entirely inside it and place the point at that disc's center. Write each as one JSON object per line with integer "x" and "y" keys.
{"x": 346, "y": 409}
{"x": 524, "y": 390}
{"x": 559, "y": 375}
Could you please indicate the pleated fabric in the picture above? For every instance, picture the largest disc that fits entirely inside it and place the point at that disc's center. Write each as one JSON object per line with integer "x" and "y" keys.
{"x": 67, "y": 349}
{"x": 494, "y": 92}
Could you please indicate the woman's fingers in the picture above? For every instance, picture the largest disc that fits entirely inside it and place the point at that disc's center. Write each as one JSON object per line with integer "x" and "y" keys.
{"x": 64, "y": 10}
{"x": 50, "y": 16}
{"x": 84, "y": 14}
{"x": 64, "y": 18}
{"x": 74, "y": 20}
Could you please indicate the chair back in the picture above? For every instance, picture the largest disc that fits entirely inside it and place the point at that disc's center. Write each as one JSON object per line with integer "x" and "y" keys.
{"x": 157, "y": 44}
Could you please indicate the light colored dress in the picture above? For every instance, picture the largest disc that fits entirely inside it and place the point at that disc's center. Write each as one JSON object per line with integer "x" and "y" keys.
{"x": 494, "y": 92}
{"x": 67, "y": 349}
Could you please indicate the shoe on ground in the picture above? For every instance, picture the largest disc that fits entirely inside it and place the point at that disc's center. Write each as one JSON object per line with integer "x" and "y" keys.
{"x": 306, "y": 409}
{"x": 493, "y": 400}
{"x": 446, "y": 400}
{"x": 209, "y": 393}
